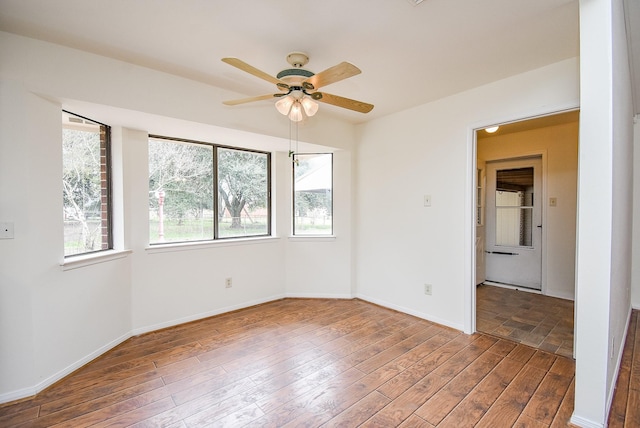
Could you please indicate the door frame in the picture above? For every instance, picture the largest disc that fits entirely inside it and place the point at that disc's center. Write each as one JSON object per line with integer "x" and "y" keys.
{"x": 469, "y": 296}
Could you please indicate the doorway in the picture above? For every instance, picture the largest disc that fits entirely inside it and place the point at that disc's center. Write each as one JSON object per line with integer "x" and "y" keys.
{"x": 514, "y": 222}
{"x": 525, "y": 210}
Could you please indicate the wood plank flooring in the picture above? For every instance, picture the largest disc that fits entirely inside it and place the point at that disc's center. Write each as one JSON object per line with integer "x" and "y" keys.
{"x": 625, "y": 408}
{"x": 307, "y": 363}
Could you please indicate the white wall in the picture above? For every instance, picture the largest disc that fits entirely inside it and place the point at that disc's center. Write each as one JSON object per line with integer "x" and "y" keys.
{"x": 54, "y": 320}
{"x": 604, "y": 207}
{"x": 635, "y": 274}
{"x": 45, "y": 329}
{"x": 622, "y": 216}
{"x": 559, "y": 144}
{"x": 321, "y": 267}
{"x": 428, "y": 150}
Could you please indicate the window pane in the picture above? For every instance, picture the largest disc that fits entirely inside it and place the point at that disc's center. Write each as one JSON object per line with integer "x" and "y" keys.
{"x": 85, "y": 179}
{"x": 180, "y": 191}
{"x": 514, "y": 207}
{"x": 243, "y": 186}
{"x": 312, "y": 194}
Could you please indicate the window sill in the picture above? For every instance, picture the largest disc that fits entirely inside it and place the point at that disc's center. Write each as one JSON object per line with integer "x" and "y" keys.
{"x": 75, "y": 262}
{"x": 312, "y": 238}
{"x": 190, "y": 246}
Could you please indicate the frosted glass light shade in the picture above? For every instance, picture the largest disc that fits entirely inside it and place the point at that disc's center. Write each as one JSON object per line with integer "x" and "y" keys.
{"x": 296, "y": 112}
{"x": 284, "y": 104}
{"x": 310, "y": 106}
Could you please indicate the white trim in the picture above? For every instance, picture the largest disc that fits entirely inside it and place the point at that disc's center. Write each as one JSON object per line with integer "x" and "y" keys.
{"x": 565, "y": 296}
{"x": 198, "y": 245}
{"x": 33, "y": 390}
{"x": 513, "y": 287}
{"x": 312, "y": 238}
{"x": 75, "y": 262}
{"x": 19, "y": 394}
{"x": 584, "y": 423}
{"x": 203, "y": 315}
{"x": 612, "y": 387}
{"x": 318, "y": 296}
{"x": 413, "y": 312}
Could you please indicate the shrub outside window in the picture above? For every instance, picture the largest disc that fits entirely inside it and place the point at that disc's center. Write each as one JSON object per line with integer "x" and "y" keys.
{"x": 313, "y": 194}
{"x": 186, "y": 204}
{"x": 86, "y": 179}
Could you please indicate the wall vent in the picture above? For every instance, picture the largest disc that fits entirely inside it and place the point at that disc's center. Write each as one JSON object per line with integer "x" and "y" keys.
{"x": 415, "y": 2}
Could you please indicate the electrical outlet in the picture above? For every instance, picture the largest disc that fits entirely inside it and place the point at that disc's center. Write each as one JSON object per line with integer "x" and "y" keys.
{"x": 6, "y": 230}
{"x": 228, "y": 283}
{"x": 613, "y": 345}
{"x": 428, "y": 289}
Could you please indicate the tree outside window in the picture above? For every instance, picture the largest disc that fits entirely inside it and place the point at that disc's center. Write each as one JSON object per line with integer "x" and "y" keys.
{"x": 186, "y": 205}
{"x": 86, "y": 185}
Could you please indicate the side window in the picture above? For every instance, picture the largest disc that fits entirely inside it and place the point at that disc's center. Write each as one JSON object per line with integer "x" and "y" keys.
{"x": 86, "y": 179}
{"x": 199, "y": 192}
{"x": 313, "y": 194}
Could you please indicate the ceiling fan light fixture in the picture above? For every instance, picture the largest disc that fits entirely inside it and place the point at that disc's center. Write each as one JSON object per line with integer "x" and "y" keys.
{"x": 310, "y": 106}
{"x": 284, "y": 104}
{"x": 296, "y": 112}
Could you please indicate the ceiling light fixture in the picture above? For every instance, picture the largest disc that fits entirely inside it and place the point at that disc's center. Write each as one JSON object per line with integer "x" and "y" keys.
{"x": 297, "y": 104}
{"x": 491, "y": 129}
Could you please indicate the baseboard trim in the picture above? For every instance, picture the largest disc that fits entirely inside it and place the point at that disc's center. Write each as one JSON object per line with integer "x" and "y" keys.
{"x": 44, "y": 384}
{"x": 203, "y": 315}
{"x": 318, "y": 296}
{"x": 612, "y": 387}
{"x": 409, "y": 311}
{"x": 584, "y": 423}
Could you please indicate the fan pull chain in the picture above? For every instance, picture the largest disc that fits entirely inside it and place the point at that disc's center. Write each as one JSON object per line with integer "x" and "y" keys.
{"x": 291, "y": 152}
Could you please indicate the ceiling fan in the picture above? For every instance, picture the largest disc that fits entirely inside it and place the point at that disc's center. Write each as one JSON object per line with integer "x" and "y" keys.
{"x": 299, "y": 87}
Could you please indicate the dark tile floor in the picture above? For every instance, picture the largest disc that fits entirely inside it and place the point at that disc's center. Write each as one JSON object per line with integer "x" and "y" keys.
{"x": 532, "y": 319}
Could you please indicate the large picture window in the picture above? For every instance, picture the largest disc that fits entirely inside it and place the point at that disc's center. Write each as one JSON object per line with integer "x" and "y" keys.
{"x": 312, "y": 194}
{"x": 200, "y": 191}
{"x": 86, "y": 180}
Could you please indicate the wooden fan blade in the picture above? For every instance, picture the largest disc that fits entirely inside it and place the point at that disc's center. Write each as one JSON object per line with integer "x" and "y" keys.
{"x": 331, "y": 75}
{"x": 252, "y": 70}
{"x": 249, "y": 100}
{"x": 344, "y": 102}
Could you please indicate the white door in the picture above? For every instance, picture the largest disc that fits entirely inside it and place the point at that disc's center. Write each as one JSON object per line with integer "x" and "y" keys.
{"x": 481, "y": 275}
{"x": 514, "y": 222}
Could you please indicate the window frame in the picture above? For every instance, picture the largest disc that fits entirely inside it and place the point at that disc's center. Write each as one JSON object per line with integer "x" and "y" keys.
{"x": 293, "y": 199}
{"x": 214, "y": 165}
{"x": 106, "y": 224}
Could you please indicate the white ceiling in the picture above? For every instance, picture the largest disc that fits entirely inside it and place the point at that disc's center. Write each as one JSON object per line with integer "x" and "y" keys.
{"x": 408, "y": 54}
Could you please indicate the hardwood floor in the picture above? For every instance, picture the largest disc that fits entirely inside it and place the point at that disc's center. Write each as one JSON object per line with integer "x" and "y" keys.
{"x": 625, "y": 408}
{"x": 539, "y": 321}
{"x": 299, "y": 362}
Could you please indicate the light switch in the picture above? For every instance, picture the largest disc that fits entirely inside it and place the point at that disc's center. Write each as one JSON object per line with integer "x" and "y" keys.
{"x": 553, "y": 202}
{"x": 427, "y": 200}
{"x": 6, "y": 230}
